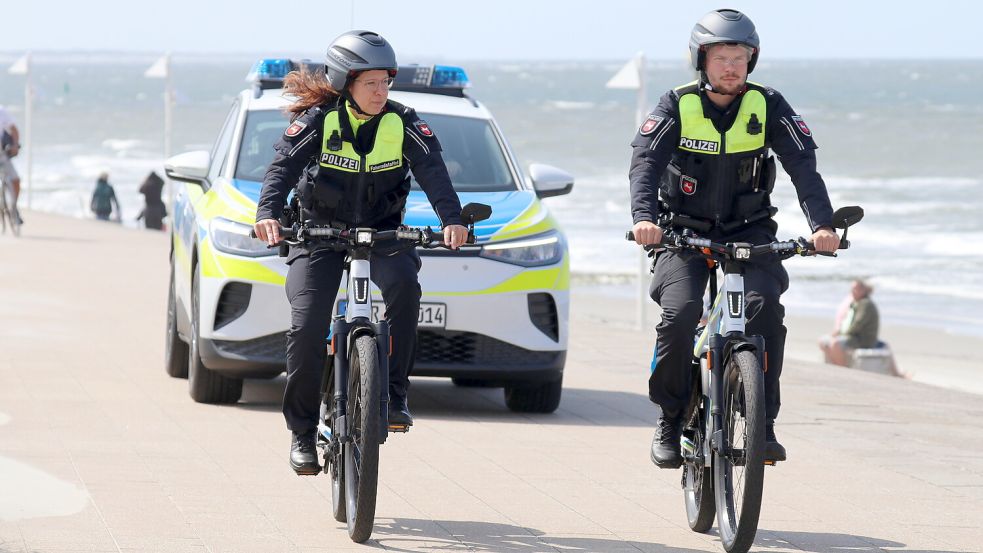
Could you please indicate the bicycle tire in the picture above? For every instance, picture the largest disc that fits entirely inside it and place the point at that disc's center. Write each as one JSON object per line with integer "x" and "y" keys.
{"x": 362, "y": 451}
{"x": 3, "y": 207}
{"x": 697, "y": 480}
{"x": 9, "y": 211}
{"x": 738, "y": 496}
{"x": 336, "y": 462}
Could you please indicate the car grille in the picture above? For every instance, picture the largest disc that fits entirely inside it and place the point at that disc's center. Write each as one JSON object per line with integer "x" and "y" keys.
{"x": 434, "y": 348}
{"x": 270, "y": 347}
{"x": 465, "y": 348}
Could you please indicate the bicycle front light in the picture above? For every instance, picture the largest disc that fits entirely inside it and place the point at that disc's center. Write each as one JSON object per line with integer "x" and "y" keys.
{"x": 231, "y": 237}
{"x": 544, "y": 249}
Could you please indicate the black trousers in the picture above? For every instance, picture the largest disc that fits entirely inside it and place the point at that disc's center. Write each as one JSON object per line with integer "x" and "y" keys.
{"x": 678, "y": 286}
{"x": 312, "y": 287}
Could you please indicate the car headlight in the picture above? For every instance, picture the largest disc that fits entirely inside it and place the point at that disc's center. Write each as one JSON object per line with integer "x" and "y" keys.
{"x": 231, "y": 237}
{"x": 543, "y": 249}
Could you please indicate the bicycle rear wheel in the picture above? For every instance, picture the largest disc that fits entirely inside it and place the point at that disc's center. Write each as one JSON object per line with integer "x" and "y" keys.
{"x": 9, "y": 211}
{"x": 362, "y": 451}
{"x": 3, "y": 209}
{"x": 335, "y": 453}
{"x": 738, "y": 473}
{"x": 697, "y": 476}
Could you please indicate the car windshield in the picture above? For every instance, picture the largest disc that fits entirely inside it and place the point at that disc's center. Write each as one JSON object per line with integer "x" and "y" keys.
{"x": 471, "y": 150}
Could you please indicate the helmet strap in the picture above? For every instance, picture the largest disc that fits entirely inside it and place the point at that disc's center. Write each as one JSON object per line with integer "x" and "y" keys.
{"x": 706, "y": 86}
{"x": 351, "y": 101}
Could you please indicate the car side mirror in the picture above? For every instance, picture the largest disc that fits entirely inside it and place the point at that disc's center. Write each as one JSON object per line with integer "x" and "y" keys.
{"x": 188, "y": 167}
{"x": 474, "y": 212}
{"x": 550, "y": 181}
{"x": 847, "y": 216}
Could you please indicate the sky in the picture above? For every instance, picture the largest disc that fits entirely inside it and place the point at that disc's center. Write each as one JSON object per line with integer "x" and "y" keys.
{"x": 482, "y": 29}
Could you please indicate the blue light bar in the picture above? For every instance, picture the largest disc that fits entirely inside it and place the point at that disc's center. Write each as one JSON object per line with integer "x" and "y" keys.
{"x": 440, "y": 79}
{"x": 447, "y": 76}
{"x": 270, "y": 69}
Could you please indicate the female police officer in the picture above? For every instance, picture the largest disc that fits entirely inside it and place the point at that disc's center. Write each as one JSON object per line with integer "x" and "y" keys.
{"x": 348, "y": 151}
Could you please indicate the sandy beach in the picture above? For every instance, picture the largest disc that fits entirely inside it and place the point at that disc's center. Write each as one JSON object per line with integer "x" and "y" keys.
{"x": 922, "y": 354}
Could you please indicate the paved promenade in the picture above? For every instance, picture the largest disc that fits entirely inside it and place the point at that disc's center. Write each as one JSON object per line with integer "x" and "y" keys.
{"x": 101, "y": 451}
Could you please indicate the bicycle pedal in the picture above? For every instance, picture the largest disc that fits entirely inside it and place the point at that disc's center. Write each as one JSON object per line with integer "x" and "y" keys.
{"x": 399, "y": 428}
{"x": 770, "y": 463}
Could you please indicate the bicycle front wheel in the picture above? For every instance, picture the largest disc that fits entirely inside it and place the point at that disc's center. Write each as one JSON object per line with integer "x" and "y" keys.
{"x": 362, "y": 451}
{"x": 739, "y": 469}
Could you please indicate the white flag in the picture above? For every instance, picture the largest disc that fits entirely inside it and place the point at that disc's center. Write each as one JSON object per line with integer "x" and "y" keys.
{"x": 629, "y": 76}
{"x": 21, "y": 66}
{"x": 159, "y": 69}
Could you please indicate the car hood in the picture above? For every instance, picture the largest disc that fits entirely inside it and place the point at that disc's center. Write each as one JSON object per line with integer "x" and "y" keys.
{"x": 515, "y": 213}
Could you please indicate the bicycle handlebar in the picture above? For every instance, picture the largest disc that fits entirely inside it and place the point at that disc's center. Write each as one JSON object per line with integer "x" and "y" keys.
{"x": 738, "y": 250}
{"x": 425, "y": 237}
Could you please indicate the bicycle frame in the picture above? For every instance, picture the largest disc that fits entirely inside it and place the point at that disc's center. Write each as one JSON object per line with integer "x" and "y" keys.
{"x": 356, "y": 321}
{"x": 724, "y": 333}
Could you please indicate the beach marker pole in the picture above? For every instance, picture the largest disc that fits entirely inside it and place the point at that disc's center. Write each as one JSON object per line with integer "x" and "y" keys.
{"x": 632, "y": 77}
{"x": 23, "y": 67}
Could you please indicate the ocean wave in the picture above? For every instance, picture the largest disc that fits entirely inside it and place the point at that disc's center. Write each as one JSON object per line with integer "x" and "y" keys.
{"x": 901, "y": 183}
{"x": 122, "y": 144}
{"x": 570, "y": 105}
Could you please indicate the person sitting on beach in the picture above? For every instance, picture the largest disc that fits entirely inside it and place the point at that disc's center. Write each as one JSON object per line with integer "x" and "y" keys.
{"x": 858, "y": 328}
{"x": 104, "y": 199}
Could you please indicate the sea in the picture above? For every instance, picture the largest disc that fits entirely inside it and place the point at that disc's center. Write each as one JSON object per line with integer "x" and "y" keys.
{"x": 900, "y": 138}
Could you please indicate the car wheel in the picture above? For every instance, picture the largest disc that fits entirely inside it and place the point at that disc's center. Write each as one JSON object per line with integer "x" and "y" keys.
{"x": 541, "y": 397}
{"x": 204, "y": 384}
{"x": 175, "y": 350}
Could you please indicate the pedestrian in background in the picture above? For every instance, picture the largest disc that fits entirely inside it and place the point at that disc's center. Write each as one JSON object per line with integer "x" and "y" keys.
{"x": 154, "y": 210}
{"x": 104, "y": 199}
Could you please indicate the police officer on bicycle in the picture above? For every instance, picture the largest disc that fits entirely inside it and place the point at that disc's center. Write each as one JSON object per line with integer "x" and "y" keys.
{"x": 701, "y": 161}
{"x": 348, "y": 151}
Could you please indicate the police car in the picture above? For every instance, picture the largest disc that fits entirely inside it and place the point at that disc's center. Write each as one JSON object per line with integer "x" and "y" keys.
{"x": 492, "y": 314}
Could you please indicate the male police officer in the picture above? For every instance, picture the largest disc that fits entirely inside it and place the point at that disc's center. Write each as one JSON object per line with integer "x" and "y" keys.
{"x": 703, "y": 154}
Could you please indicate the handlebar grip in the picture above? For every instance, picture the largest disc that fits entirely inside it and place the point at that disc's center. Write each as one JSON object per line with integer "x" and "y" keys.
{"x": 252, "y": 233}
{"x": 630, "y": 236}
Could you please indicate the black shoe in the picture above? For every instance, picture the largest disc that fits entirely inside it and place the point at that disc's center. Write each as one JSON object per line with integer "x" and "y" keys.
{"x": 399, "y": 411}
{"x": 773, "y": 450}
{"x": 303, "y": 453}
{"x": 665, "y": 443}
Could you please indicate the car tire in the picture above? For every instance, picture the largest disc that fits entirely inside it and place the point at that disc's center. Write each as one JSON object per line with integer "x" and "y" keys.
{"x": 541, "y": 397}
{"x": 204, "y": 384}
{"x": 175, "y": 350}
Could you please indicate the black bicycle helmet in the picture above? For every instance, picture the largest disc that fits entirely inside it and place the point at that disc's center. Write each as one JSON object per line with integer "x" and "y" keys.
{"x": 354, "y": 52}
{"x": 722, "y": 27}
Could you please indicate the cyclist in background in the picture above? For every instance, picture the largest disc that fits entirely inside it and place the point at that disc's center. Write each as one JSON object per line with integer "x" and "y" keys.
{"x": 9, "y": 148}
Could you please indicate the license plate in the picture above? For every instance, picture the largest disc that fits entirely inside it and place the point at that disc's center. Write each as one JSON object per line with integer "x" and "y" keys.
{"x": 431, "y": 315}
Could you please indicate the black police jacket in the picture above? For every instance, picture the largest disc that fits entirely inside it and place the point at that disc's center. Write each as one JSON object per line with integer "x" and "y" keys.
{"x": 785, "y": 133}
{"x": 296, "y": 164}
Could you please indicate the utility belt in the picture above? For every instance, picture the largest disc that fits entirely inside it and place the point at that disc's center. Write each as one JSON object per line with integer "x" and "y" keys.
{"x": 704, "y": 226}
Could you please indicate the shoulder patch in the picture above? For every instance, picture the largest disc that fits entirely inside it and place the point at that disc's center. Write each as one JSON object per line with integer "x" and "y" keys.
{"x": 650, "y": 124}
{"x": 803, "y": 128}
{"x": 423, "y": 128}
{"x": 295, "y": 128}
